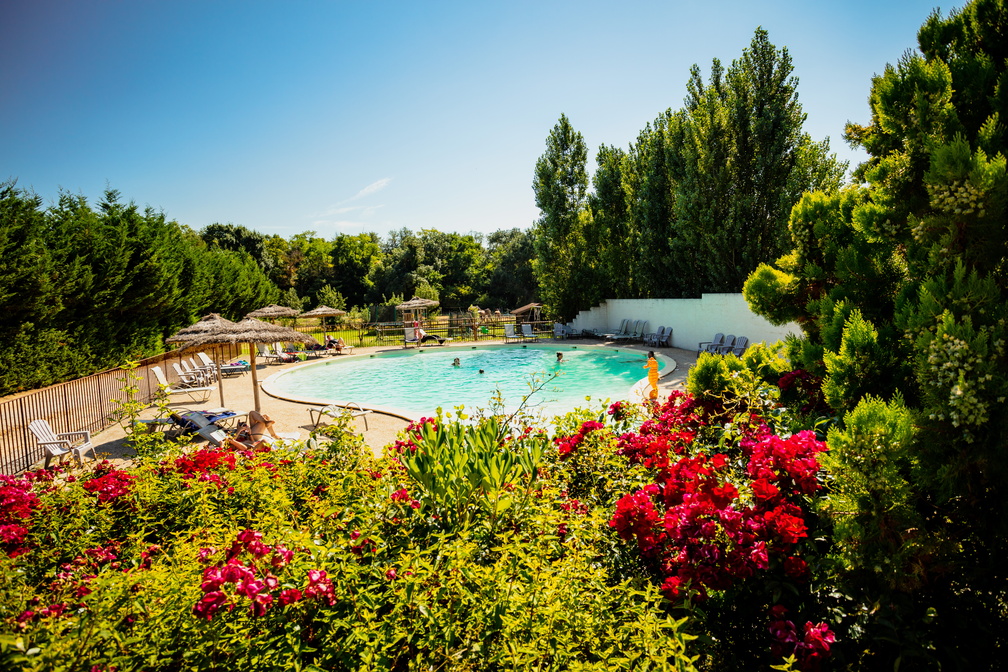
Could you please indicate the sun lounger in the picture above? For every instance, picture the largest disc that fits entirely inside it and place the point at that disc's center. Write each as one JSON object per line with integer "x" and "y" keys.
{"x": 409, "y": 337}
{"x": 618, "y": 333}
{"x": 711, "y": 345}
{"x": 527, "y": 334}
{"x": 191, "y": 391}
{"x": 335, "y": 411}
{"x": 739, "y": 347}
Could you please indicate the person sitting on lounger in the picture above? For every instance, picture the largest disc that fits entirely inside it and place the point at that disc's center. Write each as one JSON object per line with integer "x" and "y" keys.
{"x": 421, "y": 336}
{"x": 336, "y": 344}
{"x": 253, "y": 434}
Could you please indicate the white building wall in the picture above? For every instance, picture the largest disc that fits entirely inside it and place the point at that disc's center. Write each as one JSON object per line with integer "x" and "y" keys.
{"x": 692, "y": 320}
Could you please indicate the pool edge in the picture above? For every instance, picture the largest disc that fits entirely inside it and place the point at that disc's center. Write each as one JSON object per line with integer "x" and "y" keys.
{"x": 637, "y": 392}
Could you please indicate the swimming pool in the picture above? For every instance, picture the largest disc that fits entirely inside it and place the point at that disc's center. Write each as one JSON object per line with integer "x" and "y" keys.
{"x": 417, "y": 382}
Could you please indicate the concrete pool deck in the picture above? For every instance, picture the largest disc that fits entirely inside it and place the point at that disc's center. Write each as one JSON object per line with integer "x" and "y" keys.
{"x": 293, "y": 416}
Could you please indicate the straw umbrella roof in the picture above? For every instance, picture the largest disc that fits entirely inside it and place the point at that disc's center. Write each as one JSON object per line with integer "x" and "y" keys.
{"x": 323, "y": 311}
{"x": 274, "y": 311}
{"x": 417, "y": 303}
{"x": 207, "y": 324}
{"x": 251, "y": 331}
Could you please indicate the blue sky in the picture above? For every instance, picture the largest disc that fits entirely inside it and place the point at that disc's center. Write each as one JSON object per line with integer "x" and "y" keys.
{"x": 345, "y": 117}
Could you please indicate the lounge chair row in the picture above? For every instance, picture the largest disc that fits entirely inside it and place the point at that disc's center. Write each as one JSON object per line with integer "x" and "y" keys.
{"x": 191, "y": 388}
{"x": 724, "y": 345}
{"x": 562, "y": 331}
{"x": 526, "y": 335}
{"x": 277, "y": 354}
{"x": 631, "y": 331}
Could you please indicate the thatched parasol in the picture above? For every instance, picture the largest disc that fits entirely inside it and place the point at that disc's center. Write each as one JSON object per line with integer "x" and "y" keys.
{"x": 251, "y": 331}
{"x": 324, "y": 311}
{"x": 208, "y": 324}
{"x": 416, "y": 304}
{"x": 273, "y": 311}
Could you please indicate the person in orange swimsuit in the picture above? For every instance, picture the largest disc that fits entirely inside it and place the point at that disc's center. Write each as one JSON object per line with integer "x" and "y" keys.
{"x": 652, "y": 375}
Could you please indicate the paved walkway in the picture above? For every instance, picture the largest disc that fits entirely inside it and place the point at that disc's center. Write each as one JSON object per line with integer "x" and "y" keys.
{"x": 294, "y": 417}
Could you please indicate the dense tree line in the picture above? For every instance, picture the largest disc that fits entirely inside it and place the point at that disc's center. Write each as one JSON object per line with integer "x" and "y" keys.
{"x": 694, "y": 205}
{"x": 459, "y": 270}
{"x": 83, "y": 289}
{"x": 901, "y": 285}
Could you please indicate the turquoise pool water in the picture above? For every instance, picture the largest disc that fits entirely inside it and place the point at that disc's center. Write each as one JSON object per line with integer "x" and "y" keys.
{"x": 417, "y": 382}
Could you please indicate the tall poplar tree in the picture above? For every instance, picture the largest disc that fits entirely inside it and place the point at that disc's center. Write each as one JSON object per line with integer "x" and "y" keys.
{"x": 745, "y": 163}
{"x": 561, "y": 193}
{"x": 612, "y": 223}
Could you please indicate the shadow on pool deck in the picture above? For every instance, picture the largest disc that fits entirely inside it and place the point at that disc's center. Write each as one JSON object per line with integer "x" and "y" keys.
{"x": 293, "y": 416}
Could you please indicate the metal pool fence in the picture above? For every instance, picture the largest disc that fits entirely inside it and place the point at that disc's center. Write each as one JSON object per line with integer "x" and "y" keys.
{"x": 87, "y": 403}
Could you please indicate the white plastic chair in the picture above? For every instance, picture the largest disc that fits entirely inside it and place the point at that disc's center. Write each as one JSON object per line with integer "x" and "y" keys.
{"x": 334, "y": 411}
{"x": 64, "y": 443}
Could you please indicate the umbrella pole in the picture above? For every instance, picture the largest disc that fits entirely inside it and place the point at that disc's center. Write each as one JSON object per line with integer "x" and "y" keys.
{"x": 220, "y": 384}
{"x": 255, "y": 378}
{"x": 220, "y": 381}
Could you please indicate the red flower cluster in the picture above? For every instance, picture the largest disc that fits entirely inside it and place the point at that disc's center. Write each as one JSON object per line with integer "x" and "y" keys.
{"x": 52, "y": 611}
{"x": 412, "y": 432}
{"x": 810, "y": 649}
{"x": 402, "y": 495}
{"x": 806, "y": 389}
{"x": 567, "y": 444}
{"x": 109, "y": 483}
{"x": 619, "y": 410}
{"x": 783, "y": 465}
{"x": 17, "y": 501}
{"x": 366, "y": 545}
{"x": 692, "y": 524}
{"x": 703, "y": 525}
{"x": 75, "y": 576}
{"x": 673, "y": 429}
{"x": 224, "y": 584}
{"x": 204, "y": 461}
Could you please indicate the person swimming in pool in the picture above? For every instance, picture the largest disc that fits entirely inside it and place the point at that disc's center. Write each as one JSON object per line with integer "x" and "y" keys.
{"x": 559, "y": 357}
{"x": 456, "y": 362}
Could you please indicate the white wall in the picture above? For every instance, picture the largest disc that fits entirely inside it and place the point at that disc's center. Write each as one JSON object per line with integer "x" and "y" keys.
{"x": 692, "y": 320}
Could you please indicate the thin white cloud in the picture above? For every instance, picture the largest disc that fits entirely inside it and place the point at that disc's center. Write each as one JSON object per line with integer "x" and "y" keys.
{"x": 364, "y": 211}
{"x": 372, "y": 188}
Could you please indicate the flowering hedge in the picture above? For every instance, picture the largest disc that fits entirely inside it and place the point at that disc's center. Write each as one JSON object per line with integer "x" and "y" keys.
{"x": 204, "y": 558}
{"x": 669, "y": 535}
{"x": 727, "y": 518}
